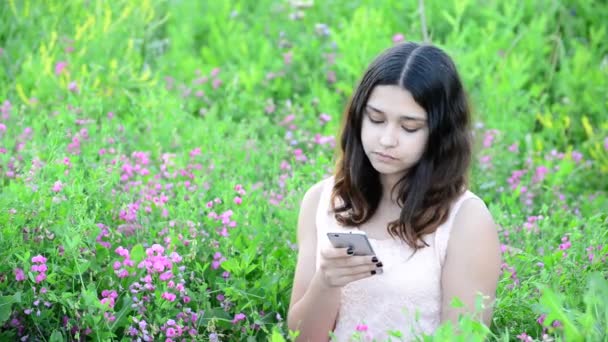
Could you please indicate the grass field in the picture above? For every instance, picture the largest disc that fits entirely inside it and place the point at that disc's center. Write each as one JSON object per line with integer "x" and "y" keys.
{"x": 153, "y": 156}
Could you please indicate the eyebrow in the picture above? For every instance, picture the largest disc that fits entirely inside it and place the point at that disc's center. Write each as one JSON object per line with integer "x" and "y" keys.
{"x": 403, "y": 117}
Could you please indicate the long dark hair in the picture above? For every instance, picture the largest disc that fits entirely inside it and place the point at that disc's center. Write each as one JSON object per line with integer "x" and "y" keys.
{"x": 428, "y": 188}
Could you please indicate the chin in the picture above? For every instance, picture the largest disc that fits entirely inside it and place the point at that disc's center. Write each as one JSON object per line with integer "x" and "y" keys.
{"x": 388, "y": 170}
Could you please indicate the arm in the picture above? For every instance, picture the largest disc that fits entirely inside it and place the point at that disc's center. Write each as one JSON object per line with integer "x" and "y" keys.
{"x": 472, "y": 262}
{"x": 313, "y": 307}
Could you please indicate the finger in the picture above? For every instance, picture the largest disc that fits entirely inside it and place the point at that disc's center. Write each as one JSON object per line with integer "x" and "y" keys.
{"x": 354, "y": 277}
{"x": 359, "y": 269}
{"x": 355, "y": 261}
{"x": 334, "y": 253}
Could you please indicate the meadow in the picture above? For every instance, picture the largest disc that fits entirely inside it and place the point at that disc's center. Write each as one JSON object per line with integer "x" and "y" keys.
{"x": 153, "y": 156}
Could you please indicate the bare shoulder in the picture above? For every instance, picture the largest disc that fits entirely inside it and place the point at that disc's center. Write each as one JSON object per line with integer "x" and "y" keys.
{"x": 474, "y": 218}
{"x": 308, "y": 207}
{"x": 313, "y": 194}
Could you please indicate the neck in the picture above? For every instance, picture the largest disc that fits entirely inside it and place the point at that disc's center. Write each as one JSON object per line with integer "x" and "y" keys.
{"x": 388, "y": 182}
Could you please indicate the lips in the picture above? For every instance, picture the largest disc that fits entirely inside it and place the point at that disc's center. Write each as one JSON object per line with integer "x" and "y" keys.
{"x": 385, "y": 155}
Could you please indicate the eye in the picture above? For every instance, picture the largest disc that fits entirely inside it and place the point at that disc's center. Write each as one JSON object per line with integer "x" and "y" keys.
{"x": 374, "y": 121}
{"x": 410, "y": 130}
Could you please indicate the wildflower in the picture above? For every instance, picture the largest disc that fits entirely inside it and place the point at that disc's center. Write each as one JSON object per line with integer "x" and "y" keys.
{"x": 288, "y": 57}
{"x": 524, "y": 337}
{"x": 361, "y": 327}
{"x": 398, "y": 38}
{"x": 60, "y": 67}
{"x": 39, "y": 259}
{"x": 168, "y": 296}
{"x": 324, "y": 118}
{"x": 238, "y": 317}
{"x": 19, "y": 274}
{"x": 73, "y": 87}
{"x": 238, "y": 200}
{"x": 331, "y": 76}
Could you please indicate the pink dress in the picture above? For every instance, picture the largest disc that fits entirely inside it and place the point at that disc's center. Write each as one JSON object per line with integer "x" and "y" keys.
{"x": 406, "y": 290}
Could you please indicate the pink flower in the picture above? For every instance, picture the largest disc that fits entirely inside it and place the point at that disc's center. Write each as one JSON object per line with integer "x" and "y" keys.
{"x": 238, "y": 317}
{"x": 122, "y": 251}
{"x": 166, "y": 276}
{"x": 238, "y": 200}
{"x": 288, "y": 57}
{"x": 39, "y": 259}
{"x": 566, "y": 245}
{"x": 73, "y": 87}
{"x": 324, "y": 118}
{"x": 361, "y": 327}
{"x": 524, "y": 337}
{"x": 170, "y": 332}
{"x": 215, "y": 72}
{"x": 39, "y": 268}
{"x": 57, "y": 186}
{"x": 40, "y": 277}
{"x": 19, "y": 274}
{"x": 168, "y": 296}
{"x": 514, "y": 148}
{"x": 398, "y": 38}
{"x": 299, "y": 155}
{"x": 60, "y": 67}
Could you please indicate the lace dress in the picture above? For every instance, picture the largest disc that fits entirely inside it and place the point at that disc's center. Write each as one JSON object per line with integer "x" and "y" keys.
{"x": 406, "y": 297}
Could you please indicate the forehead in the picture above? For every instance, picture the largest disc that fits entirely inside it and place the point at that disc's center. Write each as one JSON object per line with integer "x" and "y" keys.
{"x": 394, "y": 101}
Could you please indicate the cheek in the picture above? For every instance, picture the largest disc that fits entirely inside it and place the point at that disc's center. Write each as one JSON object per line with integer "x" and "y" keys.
{"x": 415, "y": 144}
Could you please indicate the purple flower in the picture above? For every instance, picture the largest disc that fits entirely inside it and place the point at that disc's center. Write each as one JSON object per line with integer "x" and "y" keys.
{"x": 168, "y": 296}
{"x": 73, "y": 87}
{"x": 238, "y": 317}
{"x": 39, "y": 259}
{"x": 19, "y": 274}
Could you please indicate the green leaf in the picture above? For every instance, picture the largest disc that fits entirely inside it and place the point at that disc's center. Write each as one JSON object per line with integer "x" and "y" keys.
{"x": 277, "y": 337}
{"x": 6, "y": 304}
{"x": 56, "y": 336}
{"x": 137, "y": 253}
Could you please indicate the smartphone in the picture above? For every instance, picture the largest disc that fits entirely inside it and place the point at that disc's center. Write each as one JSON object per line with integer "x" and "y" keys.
{"x": 358, "y": 241}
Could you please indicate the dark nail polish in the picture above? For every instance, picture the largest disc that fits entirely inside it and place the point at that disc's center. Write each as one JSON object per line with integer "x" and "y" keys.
{"x": 373, "y": 272}
{"x": 374, "y": 259}
{"x": 350, "y": 251}
{"x": 379, "y": 264}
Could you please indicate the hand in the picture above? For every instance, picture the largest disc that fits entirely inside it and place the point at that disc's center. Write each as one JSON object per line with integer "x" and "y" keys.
{"x": 339, "y": 267}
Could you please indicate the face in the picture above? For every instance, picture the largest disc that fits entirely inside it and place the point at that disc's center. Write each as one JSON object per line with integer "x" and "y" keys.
{"x": 394, "y": 130}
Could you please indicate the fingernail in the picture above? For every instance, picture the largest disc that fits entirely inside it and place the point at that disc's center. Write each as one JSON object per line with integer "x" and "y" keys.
{"x": 350, "y": 251}
{"x": 379, "y": 264}
{"x": 373, "y": 272}
{"x": 374, "y": 259}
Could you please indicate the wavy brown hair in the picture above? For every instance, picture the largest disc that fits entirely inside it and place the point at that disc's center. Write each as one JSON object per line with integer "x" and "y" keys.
{"x": 428, "y": 188}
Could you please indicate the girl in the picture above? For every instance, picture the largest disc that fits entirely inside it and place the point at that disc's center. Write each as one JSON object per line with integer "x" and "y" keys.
{"x": 401, "y": 178}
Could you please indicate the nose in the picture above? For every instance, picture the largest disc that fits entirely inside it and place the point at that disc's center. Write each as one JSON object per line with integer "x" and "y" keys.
{"x": 388, "y": 138}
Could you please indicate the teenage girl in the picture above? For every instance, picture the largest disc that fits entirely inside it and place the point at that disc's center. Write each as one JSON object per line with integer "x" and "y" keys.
{"x": 401, "y": 178}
